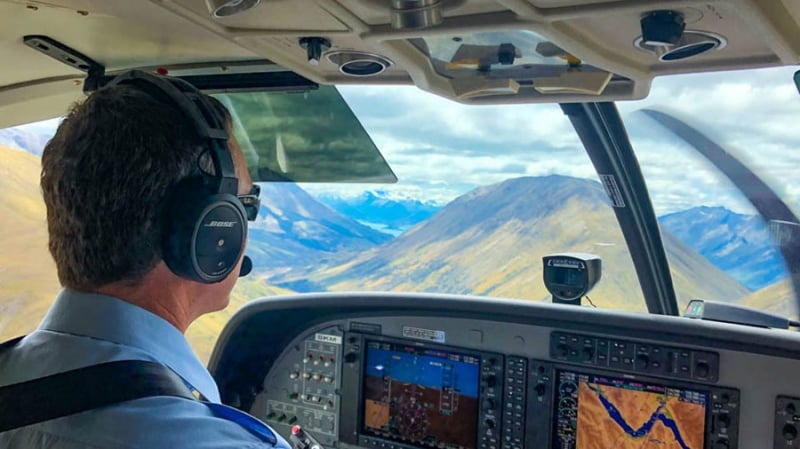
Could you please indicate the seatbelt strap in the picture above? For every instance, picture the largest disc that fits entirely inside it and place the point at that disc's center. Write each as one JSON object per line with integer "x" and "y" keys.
{"x": 84, "y": 389}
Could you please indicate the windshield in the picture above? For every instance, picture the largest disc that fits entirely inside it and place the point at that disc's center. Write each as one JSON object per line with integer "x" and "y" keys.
{"x": 483, "y": 194}
{"x": 751, "y": 115}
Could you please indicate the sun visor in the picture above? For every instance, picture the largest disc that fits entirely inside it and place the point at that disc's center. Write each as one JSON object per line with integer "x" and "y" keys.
{"x": 310, "y": 136}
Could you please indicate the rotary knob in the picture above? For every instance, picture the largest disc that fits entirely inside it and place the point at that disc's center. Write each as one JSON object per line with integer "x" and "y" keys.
{"x": 789, "y": 432}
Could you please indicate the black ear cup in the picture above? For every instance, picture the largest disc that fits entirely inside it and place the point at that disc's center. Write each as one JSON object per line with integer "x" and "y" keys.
{"x": 205, "y": 233}
{"x": 205, "y": 225}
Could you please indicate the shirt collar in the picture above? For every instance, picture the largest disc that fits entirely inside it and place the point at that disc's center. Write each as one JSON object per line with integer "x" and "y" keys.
{"x": 114, "y": 320}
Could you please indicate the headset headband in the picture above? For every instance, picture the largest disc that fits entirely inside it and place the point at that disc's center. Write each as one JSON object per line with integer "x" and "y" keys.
{"x": 208, "y": 123}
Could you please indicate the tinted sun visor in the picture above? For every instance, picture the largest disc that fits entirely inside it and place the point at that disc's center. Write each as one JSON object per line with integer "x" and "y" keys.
{"x": 310, "y": 136}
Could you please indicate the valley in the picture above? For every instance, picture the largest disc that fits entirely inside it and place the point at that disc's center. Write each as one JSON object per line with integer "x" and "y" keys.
{"x": 487, "y": 242}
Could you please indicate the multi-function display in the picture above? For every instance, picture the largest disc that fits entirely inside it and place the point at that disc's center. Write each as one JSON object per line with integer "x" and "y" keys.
{"x": 421, "y": 396}
{"x": 601, "y": 412}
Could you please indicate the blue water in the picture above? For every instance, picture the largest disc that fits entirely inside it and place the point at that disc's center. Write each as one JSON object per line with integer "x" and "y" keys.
{"x": 657, "y": 415}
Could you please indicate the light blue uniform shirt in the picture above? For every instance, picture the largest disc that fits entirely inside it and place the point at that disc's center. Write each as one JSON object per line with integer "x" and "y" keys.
{"x": 87, "y": 329}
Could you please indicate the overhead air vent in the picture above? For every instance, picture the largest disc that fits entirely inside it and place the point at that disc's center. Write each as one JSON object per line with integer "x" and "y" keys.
{"x": 692, "y": 43}
{"x": 665, "y": 36}
{"x": 357, "y": 63}
{"x": 227, "y": 8}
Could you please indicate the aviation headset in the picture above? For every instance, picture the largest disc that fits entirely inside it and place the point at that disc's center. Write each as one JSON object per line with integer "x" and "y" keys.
{"x": 205, "y": 223}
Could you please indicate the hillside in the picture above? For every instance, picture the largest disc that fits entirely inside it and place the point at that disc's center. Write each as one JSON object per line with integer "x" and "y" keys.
{"x": 27, "y": 273}
{"x": 738, "y": 244}
{"x": 491, "y": 241}
{"x": 777, "y": 298}
{"x": 28, "y": 282}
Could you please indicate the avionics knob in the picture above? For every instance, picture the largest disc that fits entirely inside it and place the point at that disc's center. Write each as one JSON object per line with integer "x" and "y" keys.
{"x": 721, "y": 444}
{"x": 588, "y": 354}
{"x": 789, "y": 432}
{"x": 350, "y": 357}
{"x": 540, "y": 389}
{"x": 490, "y": 381}
{"x": 702, "y": 370}
{"x": 488, "y": 404}
{"x": 489, "y": 423}
{"x": 724, "y": 420}
{"x": 642, "y": 361}
{"x": 790, "y": 409}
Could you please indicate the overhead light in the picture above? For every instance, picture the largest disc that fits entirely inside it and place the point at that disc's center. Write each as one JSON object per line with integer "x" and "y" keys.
{"x": 358, "y": 63}
{"x": 227, "y": 8}
{"x": 416, "y": 14}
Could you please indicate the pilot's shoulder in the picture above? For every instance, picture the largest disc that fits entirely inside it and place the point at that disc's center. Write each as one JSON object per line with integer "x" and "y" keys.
{"x": 155, "y": 422}
{"x": 173, "y": 423}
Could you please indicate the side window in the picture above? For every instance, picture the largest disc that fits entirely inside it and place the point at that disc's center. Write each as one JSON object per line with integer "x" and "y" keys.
{"x": 28, "y": 281}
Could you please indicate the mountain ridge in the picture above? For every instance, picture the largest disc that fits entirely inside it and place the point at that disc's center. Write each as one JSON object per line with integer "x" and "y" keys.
{"x": 491, "y": 240}
{"x": 736, "y": 243}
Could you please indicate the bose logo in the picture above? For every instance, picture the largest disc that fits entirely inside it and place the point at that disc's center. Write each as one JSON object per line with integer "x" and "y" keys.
{"x": 221, "y": 224}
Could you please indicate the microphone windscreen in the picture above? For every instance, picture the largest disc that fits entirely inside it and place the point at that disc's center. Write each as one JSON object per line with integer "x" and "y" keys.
{"x": 247, "y": 267}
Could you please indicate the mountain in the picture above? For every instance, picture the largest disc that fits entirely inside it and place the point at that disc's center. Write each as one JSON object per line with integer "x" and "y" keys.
{"x": 380, "y": 211}
{"x": 28, "y": 280}
{"x": 777, "y": 298}
{"x": 739, "y": 245}
{"x": 293, "y": 229}
{"x": 491, "y": 242}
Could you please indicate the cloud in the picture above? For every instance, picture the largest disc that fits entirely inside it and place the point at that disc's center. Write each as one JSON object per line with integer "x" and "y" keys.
{"x": 431, "y": 141}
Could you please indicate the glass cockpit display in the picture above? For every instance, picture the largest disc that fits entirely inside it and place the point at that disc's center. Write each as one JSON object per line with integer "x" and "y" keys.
{"x": 600, "y": 412}
{"x": 421, "y": 396}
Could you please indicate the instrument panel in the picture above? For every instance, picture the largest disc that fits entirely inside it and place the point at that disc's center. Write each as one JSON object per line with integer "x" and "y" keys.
{"x": 416, "y": 379}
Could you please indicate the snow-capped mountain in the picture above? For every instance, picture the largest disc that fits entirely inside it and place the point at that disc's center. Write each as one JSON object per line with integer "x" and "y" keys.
{"x": 382, "y": 211}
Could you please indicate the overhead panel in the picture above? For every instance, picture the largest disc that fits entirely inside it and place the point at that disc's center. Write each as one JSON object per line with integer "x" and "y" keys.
{"x": 472, "y": 51}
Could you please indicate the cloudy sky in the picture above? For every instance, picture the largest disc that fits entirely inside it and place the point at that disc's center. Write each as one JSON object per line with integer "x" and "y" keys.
{"x": 440, "y": 149}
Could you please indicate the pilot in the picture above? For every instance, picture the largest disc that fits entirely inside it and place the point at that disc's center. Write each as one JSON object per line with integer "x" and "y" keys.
{"x": 108, "y": 177}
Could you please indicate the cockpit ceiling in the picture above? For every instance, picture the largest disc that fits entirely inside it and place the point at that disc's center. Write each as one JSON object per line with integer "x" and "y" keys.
{"x": 594, "y": 40}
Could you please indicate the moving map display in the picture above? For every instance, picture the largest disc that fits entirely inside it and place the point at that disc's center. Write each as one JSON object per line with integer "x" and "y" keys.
{"x": 421, "y": 396}
{"x": 600, "y": 412}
